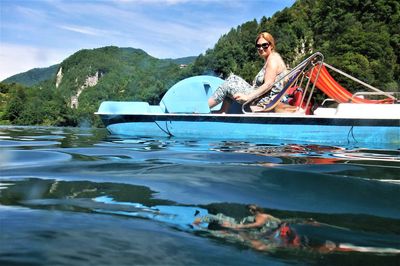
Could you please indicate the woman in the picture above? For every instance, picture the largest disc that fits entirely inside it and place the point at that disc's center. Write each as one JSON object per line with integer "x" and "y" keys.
{"x": 266, "y": 231}
{"x": 238, "y": 89}
{"x": 258, "y": 220}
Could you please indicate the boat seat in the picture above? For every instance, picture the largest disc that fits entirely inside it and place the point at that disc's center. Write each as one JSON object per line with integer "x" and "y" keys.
{"x": 295, "y": 95}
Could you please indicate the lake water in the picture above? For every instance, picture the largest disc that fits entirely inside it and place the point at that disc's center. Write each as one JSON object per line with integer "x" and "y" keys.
{"x": 81, "y": 197}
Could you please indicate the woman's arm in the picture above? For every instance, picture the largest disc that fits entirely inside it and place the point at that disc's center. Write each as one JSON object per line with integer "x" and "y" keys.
{"x": 260, "y": 220}
{"x": 271, "y": 71}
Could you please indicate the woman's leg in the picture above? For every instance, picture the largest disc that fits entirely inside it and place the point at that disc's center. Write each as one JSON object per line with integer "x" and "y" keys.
{"x": 232, "y": 85}
{"x": 226, "y": 104}
{"x": 212, "y": 102}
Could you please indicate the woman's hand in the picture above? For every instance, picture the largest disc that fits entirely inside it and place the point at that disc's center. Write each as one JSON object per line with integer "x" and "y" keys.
{"x": 227, "y": 224}
{"x": 240, "y": 97}
{"x": 231, "y": 226}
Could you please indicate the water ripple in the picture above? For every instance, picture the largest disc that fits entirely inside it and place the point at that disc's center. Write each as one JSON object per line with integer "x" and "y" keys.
{"x": 28, "y": 158}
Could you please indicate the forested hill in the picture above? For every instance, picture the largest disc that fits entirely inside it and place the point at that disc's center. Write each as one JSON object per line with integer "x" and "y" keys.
{"x": 33, "y": 76}
{"x": 360, "y": 37}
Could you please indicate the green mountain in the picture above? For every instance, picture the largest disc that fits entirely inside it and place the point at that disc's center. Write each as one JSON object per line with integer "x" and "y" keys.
{"x": 33, "y": 76}
{"x": 360, "y": 37}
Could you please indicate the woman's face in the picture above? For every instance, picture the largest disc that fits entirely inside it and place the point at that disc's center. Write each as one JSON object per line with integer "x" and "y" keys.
{"x": 252, "y": 210}
{"x": 263, "y": 47}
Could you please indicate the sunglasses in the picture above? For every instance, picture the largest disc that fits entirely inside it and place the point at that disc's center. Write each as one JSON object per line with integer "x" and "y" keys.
{"x": 262, "y": 45}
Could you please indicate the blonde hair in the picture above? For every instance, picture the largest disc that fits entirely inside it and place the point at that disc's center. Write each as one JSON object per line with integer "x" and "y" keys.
{"x": 268, "y": 37}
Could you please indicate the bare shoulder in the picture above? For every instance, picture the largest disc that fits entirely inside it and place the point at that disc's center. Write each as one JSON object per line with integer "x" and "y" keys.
{"x": 273, "y": 218}
{"x": 277, "y": 57}
{"x": 275, "y": 61}
{"x": 264, "y": 216}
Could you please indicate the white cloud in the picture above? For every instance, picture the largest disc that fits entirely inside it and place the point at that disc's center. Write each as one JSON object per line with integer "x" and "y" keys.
{"x": 83, "y": 30}
{"x": 31, "y": 13}
{"x": 87, "y": 30}
{"x": 16, "y": 59}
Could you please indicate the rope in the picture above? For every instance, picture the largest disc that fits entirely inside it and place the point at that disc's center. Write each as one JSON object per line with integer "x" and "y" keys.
{"x": 163, "y": 130}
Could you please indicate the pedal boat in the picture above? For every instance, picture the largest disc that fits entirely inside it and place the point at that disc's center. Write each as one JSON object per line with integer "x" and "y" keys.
{"x": 342, "y": 118}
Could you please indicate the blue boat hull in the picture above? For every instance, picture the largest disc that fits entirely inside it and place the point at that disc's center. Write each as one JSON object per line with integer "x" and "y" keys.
{"x": 305, "y": 129}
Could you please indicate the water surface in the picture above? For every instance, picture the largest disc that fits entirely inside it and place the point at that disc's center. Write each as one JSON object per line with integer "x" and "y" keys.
{"x": 79, "y": 196}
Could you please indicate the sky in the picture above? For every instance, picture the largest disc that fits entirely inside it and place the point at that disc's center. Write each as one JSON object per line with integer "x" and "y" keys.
{"x": 41, "y": 33}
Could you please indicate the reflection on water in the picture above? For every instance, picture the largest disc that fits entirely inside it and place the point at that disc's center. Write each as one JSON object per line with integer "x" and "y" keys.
{"x": 71, "y": 181}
